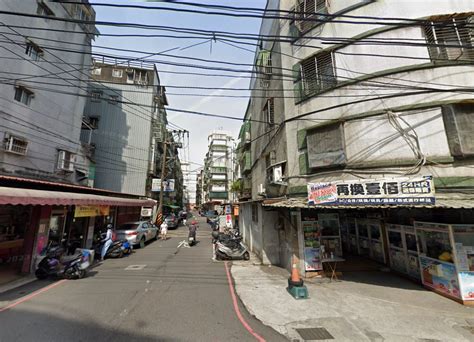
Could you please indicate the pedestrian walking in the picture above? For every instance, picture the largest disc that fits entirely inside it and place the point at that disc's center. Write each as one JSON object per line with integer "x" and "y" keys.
{"x": 106, "y": 242}
{"x": 163, "y": 230}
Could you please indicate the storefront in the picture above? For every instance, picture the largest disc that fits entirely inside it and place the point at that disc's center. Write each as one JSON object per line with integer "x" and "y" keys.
{"x": 30, "y": 219}
{"x": 14, "y": 231}
{"x": 389, "y": 233}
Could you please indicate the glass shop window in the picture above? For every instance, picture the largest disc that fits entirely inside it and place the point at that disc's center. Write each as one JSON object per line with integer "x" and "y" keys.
{"x": 395, "y": 239}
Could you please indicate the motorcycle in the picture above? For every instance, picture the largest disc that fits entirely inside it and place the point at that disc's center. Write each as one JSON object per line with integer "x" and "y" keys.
{"x": 56, "y": 264}
{"x": 230, "y": 247}
{"x": 116, "y": 250}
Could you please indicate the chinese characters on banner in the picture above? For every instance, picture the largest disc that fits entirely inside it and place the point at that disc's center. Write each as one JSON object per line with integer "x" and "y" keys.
{"x": 387, "y": 191}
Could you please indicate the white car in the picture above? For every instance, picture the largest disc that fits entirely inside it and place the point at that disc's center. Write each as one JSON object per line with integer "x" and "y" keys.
{"x": 137, "y": 233}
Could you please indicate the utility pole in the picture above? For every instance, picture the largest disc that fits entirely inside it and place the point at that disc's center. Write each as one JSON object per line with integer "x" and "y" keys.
{"x": 162, "y": 183}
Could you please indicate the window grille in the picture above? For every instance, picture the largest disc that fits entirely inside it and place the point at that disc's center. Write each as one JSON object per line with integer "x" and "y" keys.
{"x": 326, "y": 146}
{"x": 317, "y": 74}
{"x": 451, "y": 39}
{"x": 269, "y": 112}
{"x": 15, "y": 145}
{"x": 66, "y": 160}
{"x": 307, "y": 14}
{"x": 459, "y": 123}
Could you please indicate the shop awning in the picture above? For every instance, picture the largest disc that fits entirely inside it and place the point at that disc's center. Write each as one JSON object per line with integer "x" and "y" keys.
{"x": 19, "y": 196}
{"x": 443, "y": 200}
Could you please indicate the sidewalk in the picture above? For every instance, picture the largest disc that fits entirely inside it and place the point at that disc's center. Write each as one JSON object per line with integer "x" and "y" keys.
{"x": 364, "y": 306}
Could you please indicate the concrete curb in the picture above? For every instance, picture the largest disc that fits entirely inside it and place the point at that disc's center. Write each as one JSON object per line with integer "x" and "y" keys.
{"x": 17, "y": 283}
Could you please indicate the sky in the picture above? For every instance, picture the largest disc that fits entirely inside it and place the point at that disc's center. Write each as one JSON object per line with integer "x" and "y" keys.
{"x": 198, "y": 126}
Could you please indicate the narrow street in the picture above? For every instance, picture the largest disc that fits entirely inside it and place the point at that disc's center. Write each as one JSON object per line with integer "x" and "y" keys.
{"x": 172, "y": 295}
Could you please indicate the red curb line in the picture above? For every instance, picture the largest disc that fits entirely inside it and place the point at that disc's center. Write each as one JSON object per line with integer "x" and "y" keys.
{"x": 236, "y": 307}
{"x": 34, "y": 294}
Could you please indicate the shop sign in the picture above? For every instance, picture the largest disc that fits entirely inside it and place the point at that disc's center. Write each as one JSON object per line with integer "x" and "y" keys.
{"x": 91, "y": 210}
{"x": 386, "y": 191}
{"x": 168, "y": 185}
{"x": 319, "y": 193}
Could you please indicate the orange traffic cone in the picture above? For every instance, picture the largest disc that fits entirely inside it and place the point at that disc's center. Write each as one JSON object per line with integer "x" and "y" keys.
{"x": 295, "y": 274}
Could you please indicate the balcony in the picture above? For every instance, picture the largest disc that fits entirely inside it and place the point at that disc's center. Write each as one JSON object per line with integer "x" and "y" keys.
{"x": 246, "y": 162}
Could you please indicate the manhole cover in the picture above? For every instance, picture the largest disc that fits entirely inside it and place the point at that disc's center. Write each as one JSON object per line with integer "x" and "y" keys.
{"x": 315, "y": 334}
{"x": 135, "y": 267}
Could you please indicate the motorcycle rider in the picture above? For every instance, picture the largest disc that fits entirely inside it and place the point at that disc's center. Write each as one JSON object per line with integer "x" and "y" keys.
{"x": 193, "y": 229}
{"x": 107, "y": 242}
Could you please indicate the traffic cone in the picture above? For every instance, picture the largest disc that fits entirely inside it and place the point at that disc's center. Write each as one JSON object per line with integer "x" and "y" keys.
{"x": 295, "y": 274}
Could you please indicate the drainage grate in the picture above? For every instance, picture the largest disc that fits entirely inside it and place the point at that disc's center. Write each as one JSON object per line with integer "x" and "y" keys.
{"x": 135, "y": 267}
{"x": 315, "y": 334}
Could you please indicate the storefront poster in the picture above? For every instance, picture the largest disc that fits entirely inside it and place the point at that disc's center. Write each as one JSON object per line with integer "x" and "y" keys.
{"x": 312, "y": 259}
{"x": 441, "y": 276}
{"x": 467, "y": 285}
{"x": 91, "y": 210}
{"x": 311, "y": 233}
{"x": 385, "y": 191}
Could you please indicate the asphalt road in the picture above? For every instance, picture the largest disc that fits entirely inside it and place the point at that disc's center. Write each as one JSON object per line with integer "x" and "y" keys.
{"x": 173, "y": 295}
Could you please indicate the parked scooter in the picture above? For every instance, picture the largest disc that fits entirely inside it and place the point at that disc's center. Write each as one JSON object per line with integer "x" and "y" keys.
{"x": 56, "y": 264}
{"x": 229, "y": 247}
{"x": 116, "y": 250}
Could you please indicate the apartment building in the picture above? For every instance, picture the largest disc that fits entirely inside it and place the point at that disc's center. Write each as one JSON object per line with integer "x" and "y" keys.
{"x": 374, "y": 128}
{"x": 124, "y": 125}
{"x": 218, "y": 168}
{"x": 44, "y": 88}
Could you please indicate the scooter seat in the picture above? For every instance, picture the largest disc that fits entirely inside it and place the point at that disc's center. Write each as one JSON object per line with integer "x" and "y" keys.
{"x": 69, "y": 258}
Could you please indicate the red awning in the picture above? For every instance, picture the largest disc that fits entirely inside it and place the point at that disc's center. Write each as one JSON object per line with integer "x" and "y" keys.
{"x": 18, "y": 196}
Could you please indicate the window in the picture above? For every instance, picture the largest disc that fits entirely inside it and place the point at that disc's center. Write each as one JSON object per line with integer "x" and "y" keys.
{"x": 130, "y": 76}
{"x": 269, "y": 112}
{"x": 15, "y": 145}
{"x": 93, "y": 121}
{"x": 96, "y": 95}
{"x": 308, "y": 14}
{"x": 23, "y": 95}
{"x": 317, "y": 74}
{"x": 254, "y": 213}
{"x": 450, "y": 40}
{"x": 459, "y": 124}
{"x": 34, "y": 51}
{"x": 113, "y": 99}
{"x": 264, "y": 67}
{"x": 66, "y": 160}
{"x": 141, "y": 77}
{"x": 44, "y": 10}
{"x": 326, "y": 146}
{"x": 117, "y": 73}
{"x": 96, "y": 71}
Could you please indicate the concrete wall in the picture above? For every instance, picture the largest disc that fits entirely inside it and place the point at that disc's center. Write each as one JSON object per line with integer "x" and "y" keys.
{"x": 372, "y": 142}
{"x": 270, "y": 238}
{"x": 52, "y": 120}
{"x": 122, "y": 139}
